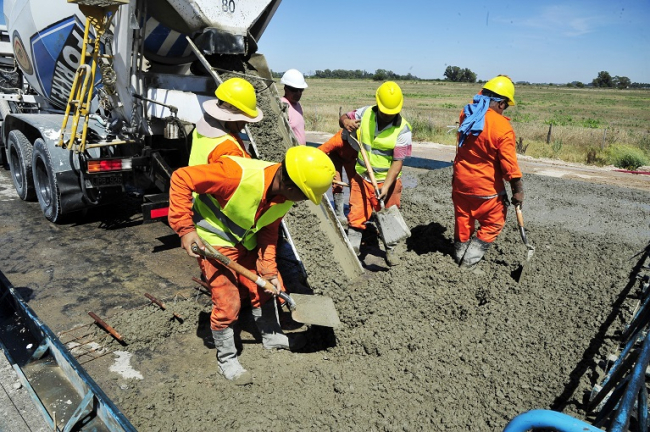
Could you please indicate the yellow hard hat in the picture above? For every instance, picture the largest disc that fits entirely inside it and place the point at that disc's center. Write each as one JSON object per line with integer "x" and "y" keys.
{"x": 311, "y": 170}
{"x": 503, "y": 86}
{"x": 239, "y": 93}
{"x": 389, "y": 98}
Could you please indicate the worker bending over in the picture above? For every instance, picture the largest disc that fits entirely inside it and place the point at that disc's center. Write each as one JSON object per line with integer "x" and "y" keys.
{"x": 485, "y": 158}
{"x": 238, "y": 207}
{"x": 344, "y": 156}
{"x": 386, "y": 136}
{"x": 217, "y": 132}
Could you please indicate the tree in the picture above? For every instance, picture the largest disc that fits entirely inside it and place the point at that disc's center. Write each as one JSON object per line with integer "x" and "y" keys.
{"x": 621, "y": 82}
{"x": 604, "y": 79}
{"x": 456, "y": 74}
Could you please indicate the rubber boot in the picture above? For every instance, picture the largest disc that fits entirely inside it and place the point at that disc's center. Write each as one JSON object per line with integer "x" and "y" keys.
{"x": 229, "y": 365}
{"x": 394, "y": 253}
{"x": 339, "y": 209}
{"x": 268, "y": 324}
{"x": 474, "y": 253}
{"x": 355, "y": 236}
{"x": 459, "y": 251}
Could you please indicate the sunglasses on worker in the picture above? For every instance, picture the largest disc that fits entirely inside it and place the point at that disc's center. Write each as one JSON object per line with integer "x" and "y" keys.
{"x": 293, "y": 89}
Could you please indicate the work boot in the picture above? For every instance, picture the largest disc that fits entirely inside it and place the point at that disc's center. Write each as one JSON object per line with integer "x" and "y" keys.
{"x": 339, "y": 209}
{"x": 394, "y": 253}
{"x": 268, "y": 324}
{"x": 459, "y": 251}
{"x": 229, "y": 365}
{"x": 355, "y": 236}
{"x": 474, "y": 253}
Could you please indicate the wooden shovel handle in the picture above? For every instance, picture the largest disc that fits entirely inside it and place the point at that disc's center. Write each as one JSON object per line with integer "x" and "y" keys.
{"x": 371, "y": 173}
{"x": 211, "y": 252}
{"x": 520, "y": 216}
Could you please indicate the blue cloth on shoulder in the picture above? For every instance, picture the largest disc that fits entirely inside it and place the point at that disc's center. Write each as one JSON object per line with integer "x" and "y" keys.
{"x": 474, "y": 117}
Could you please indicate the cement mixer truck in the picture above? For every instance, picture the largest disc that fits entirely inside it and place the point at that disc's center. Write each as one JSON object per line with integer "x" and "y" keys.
{"x": 98, "y": 97}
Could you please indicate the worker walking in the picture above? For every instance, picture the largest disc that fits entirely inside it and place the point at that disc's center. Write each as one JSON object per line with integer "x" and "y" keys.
{"x": 485, "y": 158}
{"x": 217, "y": 133}
{"x": 237, "y": 207}
{"x": 386, "y": 136}
{"x": 343, "y": 156}
{"x": 294, "y": 85}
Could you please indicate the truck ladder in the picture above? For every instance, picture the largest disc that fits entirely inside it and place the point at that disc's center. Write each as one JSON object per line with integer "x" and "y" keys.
{"x": 99, "y": 14}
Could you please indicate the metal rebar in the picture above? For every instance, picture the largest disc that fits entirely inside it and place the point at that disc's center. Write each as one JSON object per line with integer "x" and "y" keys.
{"x": 106, "y": 327}
{"x": 162, "y": 305}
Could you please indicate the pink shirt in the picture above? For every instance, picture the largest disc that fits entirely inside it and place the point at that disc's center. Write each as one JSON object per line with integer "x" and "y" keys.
{"x": 296, "y": 120}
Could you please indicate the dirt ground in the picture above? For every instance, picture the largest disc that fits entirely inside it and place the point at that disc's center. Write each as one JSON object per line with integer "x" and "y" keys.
{"x": 423, "y": 345}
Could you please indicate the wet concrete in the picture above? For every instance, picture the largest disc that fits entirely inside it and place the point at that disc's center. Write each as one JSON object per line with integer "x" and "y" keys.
{"x": 423, "y": 345}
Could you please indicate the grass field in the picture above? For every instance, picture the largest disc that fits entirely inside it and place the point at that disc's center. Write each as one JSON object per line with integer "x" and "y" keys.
{"x": 594, "y": 126}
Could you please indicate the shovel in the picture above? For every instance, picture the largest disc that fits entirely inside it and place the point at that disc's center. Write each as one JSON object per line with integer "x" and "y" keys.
{"x": 391, "y": 224}
{"x": 306, "y": 309}
{"x": 530, "y": 248}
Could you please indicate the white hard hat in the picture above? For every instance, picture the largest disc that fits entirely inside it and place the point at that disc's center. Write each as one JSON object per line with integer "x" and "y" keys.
{"x": 293, "y": 78}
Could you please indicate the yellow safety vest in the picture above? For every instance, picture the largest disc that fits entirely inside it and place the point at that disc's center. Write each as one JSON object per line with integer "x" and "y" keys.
{"x": 379, "y": 148}
{"x": 235, "y": 223}
{"x": 202, "y": 146}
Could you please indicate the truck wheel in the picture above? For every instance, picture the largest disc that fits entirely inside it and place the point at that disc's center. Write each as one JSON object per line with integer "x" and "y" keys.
{"x": 47, "y": 189}
{"x": 19, "y": 155}
{"x": 4, "y": 110}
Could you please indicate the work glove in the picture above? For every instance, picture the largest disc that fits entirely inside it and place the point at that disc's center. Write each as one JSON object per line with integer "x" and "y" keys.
{"x": 517, "y": 186}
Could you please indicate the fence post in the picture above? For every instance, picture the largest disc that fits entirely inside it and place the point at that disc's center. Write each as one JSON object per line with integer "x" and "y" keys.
{"x": 602, "y": 146}
{"x": 548, "y": 137}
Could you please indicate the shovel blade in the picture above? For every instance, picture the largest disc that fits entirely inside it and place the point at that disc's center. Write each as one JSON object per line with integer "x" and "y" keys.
{"x": 392, "y": 226}
{"x": 316, "y": 310}
{"x": 524, "y": 264}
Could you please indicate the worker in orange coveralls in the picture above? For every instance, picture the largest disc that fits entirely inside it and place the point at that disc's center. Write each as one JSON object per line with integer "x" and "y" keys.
{"x": 485, "y": 158}
{"x": 386, "y": 136}
{"x": 217, "y": 132}
{"x": 237, "y": 207}
{"x": 344, "y": 156}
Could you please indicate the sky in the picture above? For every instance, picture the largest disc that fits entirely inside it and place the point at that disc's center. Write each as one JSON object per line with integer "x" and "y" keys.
{"x": 535, "y": 41}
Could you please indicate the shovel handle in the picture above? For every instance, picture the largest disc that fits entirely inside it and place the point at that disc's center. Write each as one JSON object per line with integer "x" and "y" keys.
{"x": 520, "y": 216}
{"x": 371, "y": 173}
{"x": 211, "y": 252}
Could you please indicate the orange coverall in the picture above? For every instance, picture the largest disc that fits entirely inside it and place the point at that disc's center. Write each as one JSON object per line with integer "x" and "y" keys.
{"x": 343, "y": 156}
{"x": 481, "y": 166}
{"x": 220, "y": 180}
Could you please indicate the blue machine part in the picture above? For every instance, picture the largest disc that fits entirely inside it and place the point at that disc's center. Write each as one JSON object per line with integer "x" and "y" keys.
{"x": 165, "y": 45}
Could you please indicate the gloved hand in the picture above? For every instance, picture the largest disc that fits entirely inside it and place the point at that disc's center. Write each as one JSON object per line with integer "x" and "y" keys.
{"x": 517, "y": 186}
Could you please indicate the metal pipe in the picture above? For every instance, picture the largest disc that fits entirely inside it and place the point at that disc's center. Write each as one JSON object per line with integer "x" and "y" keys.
{"x": 637, "y": 378}
{"x": 548, "y": 419}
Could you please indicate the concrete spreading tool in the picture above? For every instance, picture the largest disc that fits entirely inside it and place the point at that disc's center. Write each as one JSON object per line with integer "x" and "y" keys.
{"x": 307, "y": 309}
{"x": 530, "y": 248}
{"x": 391, "y": 224}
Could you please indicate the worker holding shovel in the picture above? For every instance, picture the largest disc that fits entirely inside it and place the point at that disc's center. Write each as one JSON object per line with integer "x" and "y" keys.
{"x": 485, "y": 158}
{"x": 344, "y": 157}
{"x": 386, "y": 137}
{"x": 236, "y": 205}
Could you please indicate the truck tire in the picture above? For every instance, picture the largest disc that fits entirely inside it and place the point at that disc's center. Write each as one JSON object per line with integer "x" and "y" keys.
{"x": 19, "y": 155}
{"x": 47, "y": 189}
{"x": 4, "y": 110}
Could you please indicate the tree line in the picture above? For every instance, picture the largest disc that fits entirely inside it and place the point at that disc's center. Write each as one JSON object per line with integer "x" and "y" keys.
{"x": 458, "y": 74}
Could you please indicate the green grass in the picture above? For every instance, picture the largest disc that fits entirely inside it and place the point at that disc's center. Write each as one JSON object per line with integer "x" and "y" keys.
{"x": 584, "y": 123}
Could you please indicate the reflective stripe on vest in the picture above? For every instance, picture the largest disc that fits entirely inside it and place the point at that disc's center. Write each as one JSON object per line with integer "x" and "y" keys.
{"x": 235, "y": 222}
{"x": 379, "y": 148}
